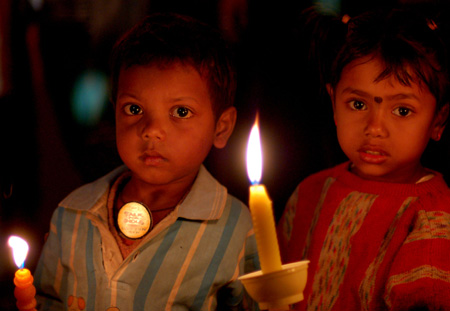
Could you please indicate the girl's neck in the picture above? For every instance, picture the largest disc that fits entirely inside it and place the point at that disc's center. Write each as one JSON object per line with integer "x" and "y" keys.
{"x": 419, "y": 174}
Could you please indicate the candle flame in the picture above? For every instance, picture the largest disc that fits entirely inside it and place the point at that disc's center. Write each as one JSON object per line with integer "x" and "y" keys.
{"x": 254, "y": 155}
{"x": 20, "y": 250}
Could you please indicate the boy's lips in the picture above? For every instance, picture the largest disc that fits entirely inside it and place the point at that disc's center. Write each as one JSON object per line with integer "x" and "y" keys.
{"x": 152, "y": 158}
{"x": 372, "y": 155}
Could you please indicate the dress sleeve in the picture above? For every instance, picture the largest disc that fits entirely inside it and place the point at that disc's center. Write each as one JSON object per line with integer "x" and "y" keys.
{"x": 48, "y": 270}
{"x": 286, "y": 223}
{"x": 420, "y": 275}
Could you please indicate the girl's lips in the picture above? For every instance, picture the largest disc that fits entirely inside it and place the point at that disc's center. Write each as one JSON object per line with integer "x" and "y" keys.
{"x": 372, "y": 156}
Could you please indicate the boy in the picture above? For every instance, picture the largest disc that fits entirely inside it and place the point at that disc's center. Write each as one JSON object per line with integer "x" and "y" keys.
{"x": 159, "y": 233}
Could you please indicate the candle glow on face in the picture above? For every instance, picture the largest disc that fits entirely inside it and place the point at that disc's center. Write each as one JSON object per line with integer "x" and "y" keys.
{"x": 254, "y": 155}
{"x": 20, "y": 250}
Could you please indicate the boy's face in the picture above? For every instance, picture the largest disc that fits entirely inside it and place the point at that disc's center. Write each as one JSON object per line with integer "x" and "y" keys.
{"x": 165, "y": 124}
{"x": 383, "y": 127}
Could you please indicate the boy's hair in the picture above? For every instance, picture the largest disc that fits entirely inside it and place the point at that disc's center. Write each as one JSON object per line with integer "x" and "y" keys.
{"x": 410, "y": 45}
{"x": 165, "y": 39}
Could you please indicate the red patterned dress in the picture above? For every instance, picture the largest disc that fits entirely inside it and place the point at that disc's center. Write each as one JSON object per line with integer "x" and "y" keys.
{"x": 372, "y": 245}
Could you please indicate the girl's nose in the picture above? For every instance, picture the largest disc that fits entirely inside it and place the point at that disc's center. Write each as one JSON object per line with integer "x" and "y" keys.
{"x": 375, "y": 126}
{"x": 152, "y": 128}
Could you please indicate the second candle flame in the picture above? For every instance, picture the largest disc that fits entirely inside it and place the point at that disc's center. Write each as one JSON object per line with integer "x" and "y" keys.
{"x": 254, "y": 155}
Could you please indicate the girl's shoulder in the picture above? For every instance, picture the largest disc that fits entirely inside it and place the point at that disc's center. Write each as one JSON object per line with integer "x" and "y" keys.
{"x": 315, "y": 183}
{"x": 436, "y": 194}
{"x": 331, "y": 172}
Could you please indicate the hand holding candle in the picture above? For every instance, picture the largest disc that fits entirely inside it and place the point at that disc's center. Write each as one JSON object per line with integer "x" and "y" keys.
{"x": 261, "y": 207}
{"x": 25, "y": 290}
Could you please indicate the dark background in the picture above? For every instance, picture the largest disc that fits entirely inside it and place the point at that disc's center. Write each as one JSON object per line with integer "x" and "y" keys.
{"x": 46, "y": 152}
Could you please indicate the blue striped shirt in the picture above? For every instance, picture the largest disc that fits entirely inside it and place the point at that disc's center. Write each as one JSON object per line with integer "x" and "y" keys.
{"x": 194, "y": 253}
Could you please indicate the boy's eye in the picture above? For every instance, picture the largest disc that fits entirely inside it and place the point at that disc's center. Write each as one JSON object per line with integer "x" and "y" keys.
{"x": 402, "y": 111}
{"x": 181, "y": 112}
{"x": 357, "y": 105}
{"x": 132, "y": 109}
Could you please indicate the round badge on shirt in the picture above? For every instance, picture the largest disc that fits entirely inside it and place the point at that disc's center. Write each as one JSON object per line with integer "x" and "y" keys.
{"x": 134, "y": 220}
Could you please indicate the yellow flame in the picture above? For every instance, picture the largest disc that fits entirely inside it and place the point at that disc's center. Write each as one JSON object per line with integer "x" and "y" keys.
{"x": 254, "y": 155}
{"x": 20, "y": 250}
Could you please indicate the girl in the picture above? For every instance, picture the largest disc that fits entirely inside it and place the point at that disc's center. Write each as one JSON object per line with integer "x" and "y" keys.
{"x": 376, "y": 228}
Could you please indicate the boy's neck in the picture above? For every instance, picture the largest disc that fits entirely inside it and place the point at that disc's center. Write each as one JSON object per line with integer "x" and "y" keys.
{"x": 155, "y": 197}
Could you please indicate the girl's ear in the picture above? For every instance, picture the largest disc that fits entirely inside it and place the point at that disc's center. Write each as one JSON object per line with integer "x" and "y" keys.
{"x": 224, "y": 127}
{"x": 439, "y": 122}
{"x": 331, "y": 93}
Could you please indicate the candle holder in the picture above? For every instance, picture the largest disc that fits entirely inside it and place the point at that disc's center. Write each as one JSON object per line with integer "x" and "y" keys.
{"x": 25, "y": 291}
{"x": 275, "y": 286}
{"x": 278, "y": 288}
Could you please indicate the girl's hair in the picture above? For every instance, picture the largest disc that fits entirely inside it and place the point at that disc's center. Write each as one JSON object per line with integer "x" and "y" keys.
{"x": 410, "y": 45}
{"x": 164, "y": 39}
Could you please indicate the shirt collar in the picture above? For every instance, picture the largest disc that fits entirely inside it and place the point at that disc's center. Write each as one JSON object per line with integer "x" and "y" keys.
{"x": 205, "y": 201}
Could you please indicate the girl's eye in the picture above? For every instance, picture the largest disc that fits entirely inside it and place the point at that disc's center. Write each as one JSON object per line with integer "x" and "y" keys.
{"x": 357, "y": 105}
{"x": 132, "y": 109}
{"x": 402, "y": 111}
{"x": 181, "y": 112}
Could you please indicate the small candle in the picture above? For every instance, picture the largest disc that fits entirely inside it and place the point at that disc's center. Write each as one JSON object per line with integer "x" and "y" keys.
{"x": 261, "y": 207}
{"x": 25, "y": 291}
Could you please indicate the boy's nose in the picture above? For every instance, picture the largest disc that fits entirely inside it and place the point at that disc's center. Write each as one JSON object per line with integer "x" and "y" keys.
{"x": 152, "y": 128}
{"x": 375, "y": 125}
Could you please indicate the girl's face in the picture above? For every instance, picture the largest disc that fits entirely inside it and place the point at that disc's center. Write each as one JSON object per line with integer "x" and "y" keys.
{"x": 383, "y": 127}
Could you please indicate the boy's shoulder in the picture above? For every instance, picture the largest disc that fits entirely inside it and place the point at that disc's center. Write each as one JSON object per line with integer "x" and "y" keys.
{"x": 208, "y": 198}
{"x": 88, "y": 194}
{"x": 238, "y": 205}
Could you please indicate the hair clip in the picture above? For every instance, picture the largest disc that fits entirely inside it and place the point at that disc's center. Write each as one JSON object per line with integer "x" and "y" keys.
{"x": 431, "y": 24}
{"x": 345, "y": 18}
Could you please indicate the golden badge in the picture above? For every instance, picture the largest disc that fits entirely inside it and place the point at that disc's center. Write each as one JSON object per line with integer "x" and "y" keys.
{"x": 134, "y": 220}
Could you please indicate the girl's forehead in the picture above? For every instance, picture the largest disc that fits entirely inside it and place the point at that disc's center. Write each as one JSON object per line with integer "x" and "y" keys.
{"x": 362, "y": 77}
{"x": 371, "y": 69}
{"x": 374, "y": 65}
{"x": 361, "y": 71}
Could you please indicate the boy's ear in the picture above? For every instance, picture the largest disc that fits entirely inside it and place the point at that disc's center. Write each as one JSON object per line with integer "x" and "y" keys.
{"x": 440, "y": 121}
{"x": 224, "y": 127}
{"x": 331, "y": 94}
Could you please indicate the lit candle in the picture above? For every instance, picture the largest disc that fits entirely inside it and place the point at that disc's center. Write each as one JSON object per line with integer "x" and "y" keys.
{"x": 261, "y": 207}
{"x": 25, "y": 290}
